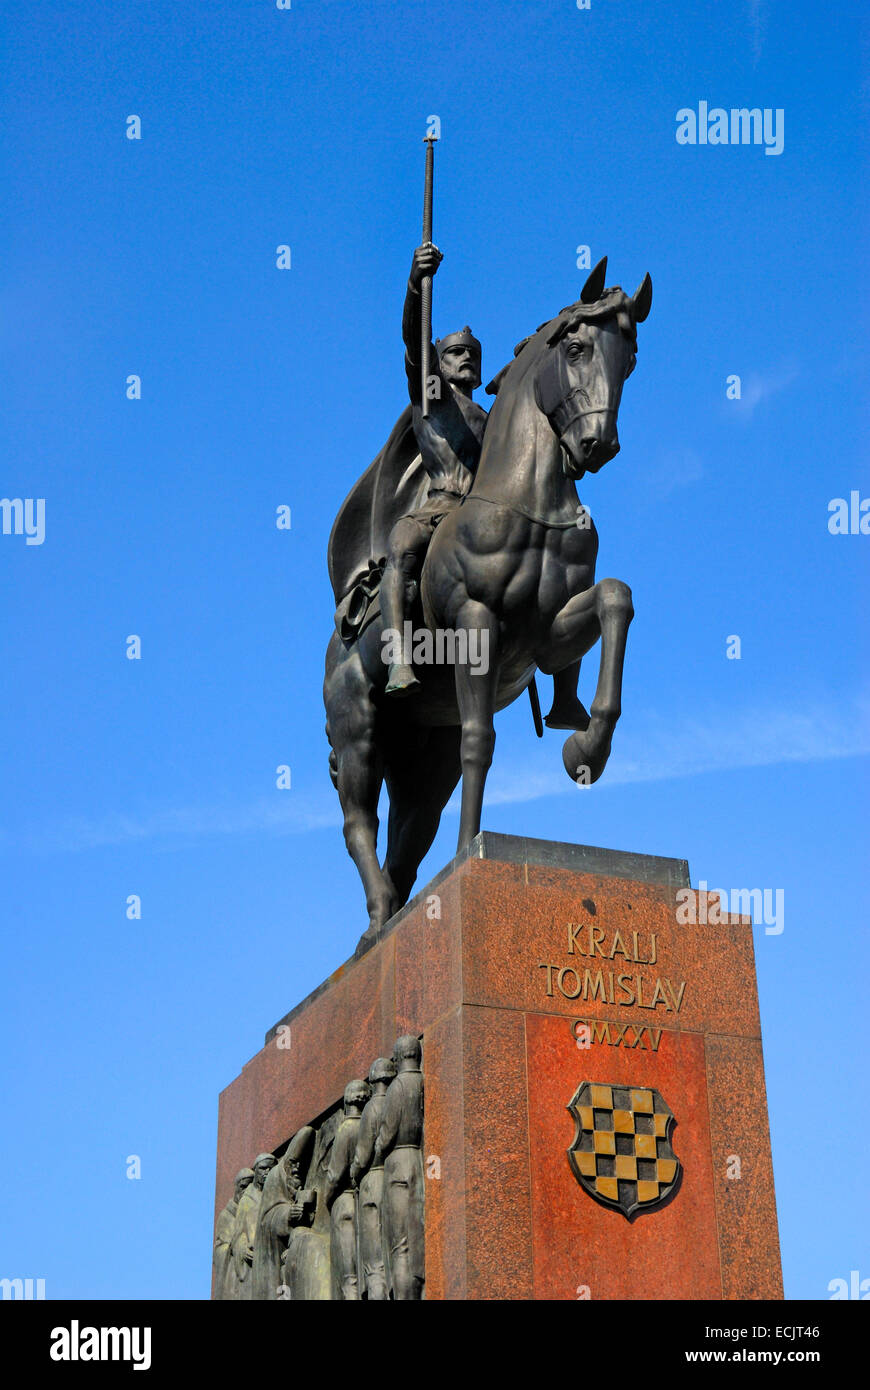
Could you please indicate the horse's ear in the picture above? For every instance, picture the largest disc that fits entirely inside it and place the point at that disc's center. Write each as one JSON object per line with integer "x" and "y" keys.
{"x": 594, "y": 287}
{"x": 642, "y": 299}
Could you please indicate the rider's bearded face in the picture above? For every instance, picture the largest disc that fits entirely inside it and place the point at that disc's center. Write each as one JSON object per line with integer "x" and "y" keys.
{"x": 460, "y": 366}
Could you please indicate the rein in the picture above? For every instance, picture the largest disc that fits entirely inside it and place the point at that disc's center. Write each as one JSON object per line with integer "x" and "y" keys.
{"x": 560, "y": 415}
{"x": 530, "y": 516}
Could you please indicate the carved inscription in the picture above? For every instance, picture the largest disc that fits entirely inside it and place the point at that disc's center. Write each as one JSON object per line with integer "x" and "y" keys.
{"x": 596, "y": 1030}
{"x": 629, "y": 988}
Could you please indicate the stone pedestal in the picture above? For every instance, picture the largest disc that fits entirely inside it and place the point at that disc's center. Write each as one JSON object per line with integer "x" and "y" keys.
{"x": 529, "y": 968}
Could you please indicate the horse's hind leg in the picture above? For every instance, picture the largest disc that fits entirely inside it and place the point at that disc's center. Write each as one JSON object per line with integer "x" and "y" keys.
{"x": 566, "y": 711}
{"x": 356, "y": 766}
{"x": 420, "y": 779}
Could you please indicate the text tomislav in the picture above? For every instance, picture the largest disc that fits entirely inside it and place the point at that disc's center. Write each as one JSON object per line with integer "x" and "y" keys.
{"x": 631, "y": 989}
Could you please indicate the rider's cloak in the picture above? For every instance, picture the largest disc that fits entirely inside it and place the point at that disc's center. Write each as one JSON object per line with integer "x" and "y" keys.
{"x": 394, "y": 484}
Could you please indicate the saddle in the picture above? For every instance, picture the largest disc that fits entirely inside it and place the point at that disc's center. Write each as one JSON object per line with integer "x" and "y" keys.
{"x": 361, "y": 604}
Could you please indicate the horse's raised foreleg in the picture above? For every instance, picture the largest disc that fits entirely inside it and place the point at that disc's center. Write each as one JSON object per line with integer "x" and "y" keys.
{"x": 605, "y": 610}
{"x": 475, "y": 694}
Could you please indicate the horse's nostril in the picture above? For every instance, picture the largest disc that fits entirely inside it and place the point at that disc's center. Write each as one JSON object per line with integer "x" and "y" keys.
{"x": 588, "y": 445}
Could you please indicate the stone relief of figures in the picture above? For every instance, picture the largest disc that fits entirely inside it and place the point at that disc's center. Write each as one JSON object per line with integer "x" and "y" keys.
{"x": 399, "y": 1146}
{"x": 238, "y": 1282}
{"x": 341, "y": 1196}
{"x": 223, "y": 1233}
{"x": 368, "y": 1179}
{"x": 279, "y": 1208}
{"x": 340, "y": 1214}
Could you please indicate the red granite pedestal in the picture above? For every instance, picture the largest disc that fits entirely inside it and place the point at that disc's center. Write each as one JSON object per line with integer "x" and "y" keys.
{"x": 498, "y": 964}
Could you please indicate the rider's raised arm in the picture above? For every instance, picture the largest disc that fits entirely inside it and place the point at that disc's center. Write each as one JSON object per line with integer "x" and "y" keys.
{"x": 426, "y": 261}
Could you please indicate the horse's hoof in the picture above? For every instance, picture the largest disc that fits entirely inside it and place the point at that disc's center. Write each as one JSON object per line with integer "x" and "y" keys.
{"x": 368, "y": 939}
{"x": 585, "y": 758}
{"x": 379, "y": 916}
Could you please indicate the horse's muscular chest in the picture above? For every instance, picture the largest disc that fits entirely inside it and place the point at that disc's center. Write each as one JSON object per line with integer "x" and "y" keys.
{"x": 567, "y": 568}
{"x": 511, "y": 564}
{"x": 550, "y": 568}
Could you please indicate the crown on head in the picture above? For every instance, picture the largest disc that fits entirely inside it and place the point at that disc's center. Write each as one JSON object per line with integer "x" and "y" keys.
{"x": 464, "y": 338}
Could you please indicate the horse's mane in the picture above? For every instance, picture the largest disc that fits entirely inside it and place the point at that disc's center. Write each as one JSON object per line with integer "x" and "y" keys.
{"x": 612, "y": 303}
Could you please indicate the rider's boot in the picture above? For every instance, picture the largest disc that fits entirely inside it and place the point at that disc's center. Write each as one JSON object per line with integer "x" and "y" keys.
{"x": 567, "y": 711}
{"x": 401, "y": 680}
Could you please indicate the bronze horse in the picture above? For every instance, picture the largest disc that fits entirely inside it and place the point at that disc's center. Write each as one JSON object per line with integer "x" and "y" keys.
{"x": 514, "y": 567}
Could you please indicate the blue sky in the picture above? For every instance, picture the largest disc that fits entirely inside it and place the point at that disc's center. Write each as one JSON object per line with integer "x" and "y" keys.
{"x": 263, "y": 387}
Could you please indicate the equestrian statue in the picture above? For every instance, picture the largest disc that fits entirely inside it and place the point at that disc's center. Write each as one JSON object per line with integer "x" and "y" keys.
{"x": 462, "y": 562}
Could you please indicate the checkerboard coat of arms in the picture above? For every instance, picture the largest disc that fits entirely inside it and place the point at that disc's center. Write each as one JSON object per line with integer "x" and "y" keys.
{"x": 621, "y": 1152}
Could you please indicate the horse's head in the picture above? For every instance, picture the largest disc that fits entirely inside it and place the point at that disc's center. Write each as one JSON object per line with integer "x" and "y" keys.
{"x": 590, "y": 351}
